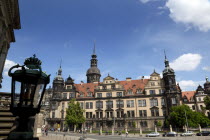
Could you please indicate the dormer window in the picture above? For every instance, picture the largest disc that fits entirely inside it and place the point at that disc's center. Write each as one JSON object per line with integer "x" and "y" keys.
{"x": 89, "y": 94}
{"x": 130, "y": 92}
{"x": 69, "y": 87}
{"x": 138, "y": 91}
{"x": 185, "y": 99}
{"x": 81, "y": 95}
{"x": 152, "y": 83}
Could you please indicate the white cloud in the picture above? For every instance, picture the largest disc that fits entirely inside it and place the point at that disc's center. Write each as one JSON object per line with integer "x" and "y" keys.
{"x": 144, "y": 1}
{"x": 207, "y": 68}
{"x": 186, "y": 62}
{"x": 8, "y": 64}
{"x": 189, "y": 85}
{"x": 145, "y": 77}
{"x": 190, "y": 12}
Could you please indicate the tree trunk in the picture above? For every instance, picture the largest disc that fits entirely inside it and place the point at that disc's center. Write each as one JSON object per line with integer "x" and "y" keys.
{"x": 75, "y": 127}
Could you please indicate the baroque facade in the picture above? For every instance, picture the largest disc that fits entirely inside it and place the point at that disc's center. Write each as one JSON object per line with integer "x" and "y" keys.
{"x": 9, "y": 20}
{"x": 119, "y": 104}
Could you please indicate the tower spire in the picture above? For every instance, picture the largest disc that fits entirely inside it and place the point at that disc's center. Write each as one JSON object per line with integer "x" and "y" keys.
{"x": 165, "y": 54}
{"x": 60, "y": 63}
{"x": 166, "y": 60}
{"x": 94, "y": 49}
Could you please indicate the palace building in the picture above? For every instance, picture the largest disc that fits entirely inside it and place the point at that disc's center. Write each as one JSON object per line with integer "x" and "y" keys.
{"x": 120, "y": 104}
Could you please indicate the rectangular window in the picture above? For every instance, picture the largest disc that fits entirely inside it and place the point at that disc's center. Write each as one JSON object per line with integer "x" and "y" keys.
{"x": 193, "y": 107}
{"x": 64, "y": 95}
{"x": 161, "y": 91}
{"x": 108, "y": 94}
{"x": 143, "y": 123}
{"x": 109, "y": 104}
{"x": 99, "y": 95}
{"x": 173, "y": 100}
{"x": 154, "y": 112}
{"x": 152, "y": 83}
{"x": 153, "y": 102}
{"x": 164, "y": 112}
{"x": 82, "y": 105}
{"x": 53, "y": 114}
{"x": 99, "y": 104}
{"x": 71, "y": 95}
{"x": 130, "y": 113}
{"x": 142, "y": 113}
{"x": 101, "y": 114}
{"x": 141, "y": 103}
{"x": 119, "y": 94}
{"x": 152, "y": 92}
{"x": 119, "y": 103}
{"x": 162, "y": 101}
{"x": 63, "y": 105}
{"x": 89, "y": 105}
{"x": 130, "y": 103}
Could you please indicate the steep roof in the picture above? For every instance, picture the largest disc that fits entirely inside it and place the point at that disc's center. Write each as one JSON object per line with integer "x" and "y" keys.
{"x": 133, "y": 84}
{"x": 86, "y": 87}
{"x": 188, "y": 94}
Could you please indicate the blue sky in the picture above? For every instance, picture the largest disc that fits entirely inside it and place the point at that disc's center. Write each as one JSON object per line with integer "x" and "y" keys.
{"x": 130, "y": 36}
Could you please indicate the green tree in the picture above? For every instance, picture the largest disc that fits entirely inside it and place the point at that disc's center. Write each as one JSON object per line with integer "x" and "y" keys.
{"x": 134, "y": 124}
{"x": 192, "y": 119}
{"x": 159, "y": 124}
{"x": 74, "y": 114}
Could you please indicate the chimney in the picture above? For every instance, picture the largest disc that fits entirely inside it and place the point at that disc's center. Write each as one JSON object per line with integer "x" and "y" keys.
{"x": 128, "y": 79}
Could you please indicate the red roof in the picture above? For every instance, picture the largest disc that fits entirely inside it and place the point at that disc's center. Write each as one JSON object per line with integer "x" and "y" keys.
{"x": 188, "y": 94}
{"x": 132, "y": 84}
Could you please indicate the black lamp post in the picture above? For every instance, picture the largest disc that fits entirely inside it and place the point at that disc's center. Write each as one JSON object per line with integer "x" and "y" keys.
{"x": 28, "y": 88}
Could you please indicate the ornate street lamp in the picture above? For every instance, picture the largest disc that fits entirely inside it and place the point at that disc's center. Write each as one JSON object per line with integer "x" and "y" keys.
{"x": 28, "y": 88}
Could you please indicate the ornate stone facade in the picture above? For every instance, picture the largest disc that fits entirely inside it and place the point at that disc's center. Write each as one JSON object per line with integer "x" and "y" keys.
{"x": 9, "y": 20}
{"x": 119, "y": 104}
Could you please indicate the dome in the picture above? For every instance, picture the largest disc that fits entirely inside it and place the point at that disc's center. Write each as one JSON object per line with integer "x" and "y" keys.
{"x": 93, "y": 70}
{"x": 69, "y": 80}
{"x": 207, "y": 81}
{"x": 108, "y": 78}
{"x": 168, "y": 70}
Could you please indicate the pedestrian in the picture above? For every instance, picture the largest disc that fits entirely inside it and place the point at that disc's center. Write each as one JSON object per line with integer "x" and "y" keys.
{"x": 126, "y": 134}
{"x": 46, "y": 131}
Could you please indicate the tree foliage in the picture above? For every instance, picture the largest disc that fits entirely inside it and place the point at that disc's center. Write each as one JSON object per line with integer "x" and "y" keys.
{"x": 207, "y": 102}
{"x": 159, "y": 124}
{"x": 177, "y": 117}
{"x": 74, "y": 113}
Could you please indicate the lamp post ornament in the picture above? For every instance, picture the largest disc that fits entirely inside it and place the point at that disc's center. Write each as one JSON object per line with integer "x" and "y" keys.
{"x": 28, "y": 87}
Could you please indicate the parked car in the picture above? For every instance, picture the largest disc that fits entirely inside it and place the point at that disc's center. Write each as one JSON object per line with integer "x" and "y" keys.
{"x": 170, "y": 134}
{"x": 188, "y": 133}
{"x": 203, "y": 133}
{"x": 153, "y": 134}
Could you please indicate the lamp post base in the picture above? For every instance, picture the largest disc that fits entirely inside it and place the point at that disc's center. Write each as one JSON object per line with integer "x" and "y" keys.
{"x": 21, "y": 136}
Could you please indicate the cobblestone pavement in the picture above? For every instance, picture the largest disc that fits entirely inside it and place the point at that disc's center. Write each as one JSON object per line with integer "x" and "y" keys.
{"x": 73, "y": 136}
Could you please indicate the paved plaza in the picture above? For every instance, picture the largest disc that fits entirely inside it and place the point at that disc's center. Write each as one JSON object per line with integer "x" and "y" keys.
{"x": 75, "y": 136}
